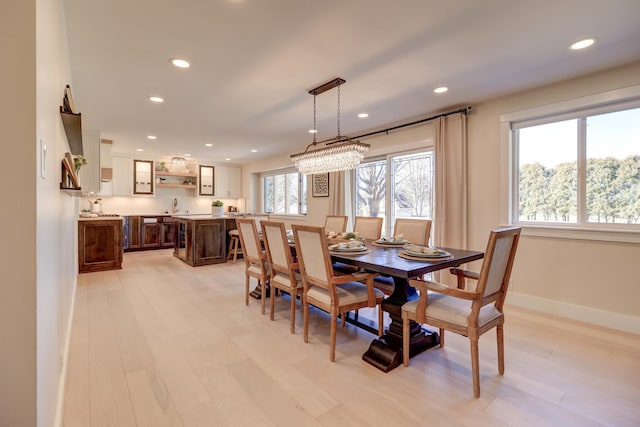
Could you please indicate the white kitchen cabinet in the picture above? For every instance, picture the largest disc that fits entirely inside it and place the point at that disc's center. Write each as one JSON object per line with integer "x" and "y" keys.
{"x": 206, "y": 180}
{"x": 122, "y": 180}
{"x": 228, "y": 181}
{"x": 142, "y": 177}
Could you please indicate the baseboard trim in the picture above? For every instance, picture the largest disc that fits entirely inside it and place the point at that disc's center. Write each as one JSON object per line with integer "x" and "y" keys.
{"x": 63, "y": 375}
{"x": 608, "y": 319}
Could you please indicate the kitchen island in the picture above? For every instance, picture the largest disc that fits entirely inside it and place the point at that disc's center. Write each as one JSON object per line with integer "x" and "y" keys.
{"x": 202, "y": 239}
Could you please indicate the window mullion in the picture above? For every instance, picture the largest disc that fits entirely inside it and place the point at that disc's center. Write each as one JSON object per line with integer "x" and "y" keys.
{"x": 582, "y": 171}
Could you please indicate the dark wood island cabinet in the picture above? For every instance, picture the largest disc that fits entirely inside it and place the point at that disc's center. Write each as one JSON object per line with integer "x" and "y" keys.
{"x": 99, "y": 244}
{"x": 201, "y": 240}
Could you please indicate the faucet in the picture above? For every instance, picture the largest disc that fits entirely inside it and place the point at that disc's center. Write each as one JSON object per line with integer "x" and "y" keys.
{"x": 175, "y": 205}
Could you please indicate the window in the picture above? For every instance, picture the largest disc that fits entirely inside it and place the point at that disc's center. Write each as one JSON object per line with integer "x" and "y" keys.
{"x": 399, "y": 186}
{"x": 284, "y": 193}
{"x": 578, "y": 169}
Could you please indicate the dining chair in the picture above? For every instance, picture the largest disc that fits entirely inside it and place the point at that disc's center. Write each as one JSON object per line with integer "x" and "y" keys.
{"x": 284, "y": 274}
{"x": 413, "y": 230}
{"x": 470, "y": 313}
{"x": 255, "y": 259}
{"x": 335, "y": 223}
{"x": 335, "y": 294}
{"x": 368, "y": 227}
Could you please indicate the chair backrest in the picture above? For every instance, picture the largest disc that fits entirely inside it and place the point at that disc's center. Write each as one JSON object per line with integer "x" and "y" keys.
{"x": 277, "y": 245}
{"x": 368, "y": 227}
{"x": 335, "y": 223}
{"x": 493, "y": 280}
{"x": 416, "y": 231}
{"x": 313, "y": 255}
{"x": 250, "y": 240}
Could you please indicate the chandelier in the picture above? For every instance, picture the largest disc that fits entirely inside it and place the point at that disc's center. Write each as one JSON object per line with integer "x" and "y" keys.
{"x": 338, "y": 154}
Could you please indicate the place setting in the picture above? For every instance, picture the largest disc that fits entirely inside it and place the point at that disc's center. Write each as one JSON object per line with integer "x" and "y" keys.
{"x": 352, "y": 247}
{"x": 423, "y": 253}
{"x": 391, "y": 242}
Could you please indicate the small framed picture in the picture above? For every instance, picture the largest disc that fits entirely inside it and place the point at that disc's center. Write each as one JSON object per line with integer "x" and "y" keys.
{"x": 320, "y": 185}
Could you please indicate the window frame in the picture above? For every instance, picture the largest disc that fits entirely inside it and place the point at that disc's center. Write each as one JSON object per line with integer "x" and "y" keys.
{"x": 610, "y": 101}
{"x": 388, "y": 202}
{"x": 302, "y": 190}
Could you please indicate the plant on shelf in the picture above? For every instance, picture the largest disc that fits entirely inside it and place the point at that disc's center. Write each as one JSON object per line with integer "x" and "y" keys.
{"x": 163, "y": 167}
{"x": 78, "y": 162}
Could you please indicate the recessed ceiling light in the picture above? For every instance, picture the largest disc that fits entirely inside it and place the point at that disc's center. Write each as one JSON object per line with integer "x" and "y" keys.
{"x": 156, "y": 99}
{"x": 180, "y": 63}
{"x": 363, "y": 115}
{"x": 139, "y": 149}
{"x": 152, "y": 137}
{"x": 581, "y": 44}
{"x": 227, "y": 159}
{"x": 441, "y": 89}
{"x": 313, "y": 130}
{"x": 208, "y": 145}
{"x": 254, "y": 151}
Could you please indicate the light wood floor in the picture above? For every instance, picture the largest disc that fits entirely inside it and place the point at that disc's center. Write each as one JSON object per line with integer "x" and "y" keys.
{"x": 161, "y": 343}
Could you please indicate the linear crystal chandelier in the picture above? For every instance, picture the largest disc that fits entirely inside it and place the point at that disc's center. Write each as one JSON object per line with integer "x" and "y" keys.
{"x": 339, "y": 153}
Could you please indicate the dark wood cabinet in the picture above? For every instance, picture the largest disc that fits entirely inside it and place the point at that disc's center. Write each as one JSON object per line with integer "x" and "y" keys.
{"x": 150, "y": 233}
{"x": 167, "y": 232}
{"x": 134, "y": 233}
{"x": 99, "y": 245}
{"x": 201, "y": 241}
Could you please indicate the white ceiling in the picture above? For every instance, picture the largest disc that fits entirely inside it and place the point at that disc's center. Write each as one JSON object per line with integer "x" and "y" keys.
{"x": 253, "y": 62}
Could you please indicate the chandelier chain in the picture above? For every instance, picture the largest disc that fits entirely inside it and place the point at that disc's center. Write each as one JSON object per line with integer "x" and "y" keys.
{"x": 315, "y": 129}
{"x": 338, "y": 111}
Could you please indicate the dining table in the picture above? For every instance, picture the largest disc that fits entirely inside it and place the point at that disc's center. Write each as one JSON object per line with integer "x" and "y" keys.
{"x": 385, "y": 353}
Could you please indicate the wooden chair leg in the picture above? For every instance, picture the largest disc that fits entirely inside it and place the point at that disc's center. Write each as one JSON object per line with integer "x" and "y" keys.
{"x": 441, "y": 337}
{"x": 475, "y": 367}
{"x": 500, "y": 338}
{"x": 334, "y": 327}
{"x": 229, "y": 253}
{"x": 246, "y": 296}
{"x": 293, "y": 311}
{"x": 405, "y": 338}
{"x": 272, "y": 305}
{"x": 305, "y": 320}
{"x": 344, "y": 319}
{"x": 263, "y": 286}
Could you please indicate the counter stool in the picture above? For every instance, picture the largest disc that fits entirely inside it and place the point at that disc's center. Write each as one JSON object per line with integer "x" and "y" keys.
{"x": 234, "y": 245}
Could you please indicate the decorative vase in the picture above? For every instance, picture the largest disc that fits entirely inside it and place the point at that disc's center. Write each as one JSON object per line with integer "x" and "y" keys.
{"x": 217, "y": 210}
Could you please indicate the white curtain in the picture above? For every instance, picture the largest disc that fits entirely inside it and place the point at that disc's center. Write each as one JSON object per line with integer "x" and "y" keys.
{"x": 450, "y": 216}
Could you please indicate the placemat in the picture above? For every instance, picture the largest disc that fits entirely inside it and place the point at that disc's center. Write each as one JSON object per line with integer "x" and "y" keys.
{"x": 424, "y": 259}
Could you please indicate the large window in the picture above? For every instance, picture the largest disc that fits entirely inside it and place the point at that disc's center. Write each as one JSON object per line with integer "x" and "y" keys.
{"x": 398, "y": 186}
{"x": 284, "y": 193}
{"x": 579, "y": 169}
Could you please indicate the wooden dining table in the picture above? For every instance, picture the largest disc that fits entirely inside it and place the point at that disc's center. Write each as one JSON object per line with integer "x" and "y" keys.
{"x": 386, "y": 353}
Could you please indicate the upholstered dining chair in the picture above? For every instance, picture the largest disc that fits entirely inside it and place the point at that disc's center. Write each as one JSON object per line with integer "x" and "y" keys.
{"x": 368, "y": 227}
{"x": 413, "y": 230}
{"x": 335, "y": 223}
{"x": 468, "y": 312}
{"x": 335, "y": 294}
{"x": 255, "y": 259}
{"x": 283, "y": 270}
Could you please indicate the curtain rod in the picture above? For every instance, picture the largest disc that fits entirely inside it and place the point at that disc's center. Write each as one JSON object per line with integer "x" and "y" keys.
{"x": 464, "y": 110}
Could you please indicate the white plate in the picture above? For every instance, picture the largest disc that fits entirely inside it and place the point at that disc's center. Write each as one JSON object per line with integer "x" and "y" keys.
{"x": 443, "y": 254}
{"x": 392, "y": 242}
{"x": 335, "y": 248}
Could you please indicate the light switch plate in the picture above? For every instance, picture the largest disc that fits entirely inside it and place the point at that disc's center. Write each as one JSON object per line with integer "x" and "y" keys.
{"x": 43, "y": 159}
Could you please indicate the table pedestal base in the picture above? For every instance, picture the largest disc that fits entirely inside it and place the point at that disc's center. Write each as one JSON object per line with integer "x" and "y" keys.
{"x": 386, "y": 353}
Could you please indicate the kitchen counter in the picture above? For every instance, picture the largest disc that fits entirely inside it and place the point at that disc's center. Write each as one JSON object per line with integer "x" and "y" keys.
{"x": 100, "y": 218}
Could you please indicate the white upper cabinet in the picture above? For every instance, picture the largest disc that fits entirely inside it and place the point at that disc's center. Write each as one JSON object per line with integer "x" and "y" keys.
{"x": 206, "y": 180}
{"x": 89, "y": 175}
{"x": 228, "y": 182}
{"x": 122, "y": 181}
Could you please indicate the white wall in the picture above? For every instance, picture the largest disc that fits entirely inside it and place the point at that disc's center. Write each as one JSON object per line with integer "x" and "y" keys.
{"x": 38, "y": 257}
{"x": 56, "y": 226}
{"x": 586, "y": 280}
{"x": 18, "y": 189}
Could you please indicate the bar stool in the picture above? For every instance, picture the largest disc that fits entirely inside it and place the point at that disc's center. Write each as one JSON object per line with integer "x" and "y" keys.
{"x": 234, "y": 246}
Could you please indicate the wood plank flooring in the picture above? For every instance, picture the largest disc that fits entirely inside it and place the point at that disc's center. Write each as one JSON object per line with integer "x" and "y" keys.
{"x": 161, "y": 343}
